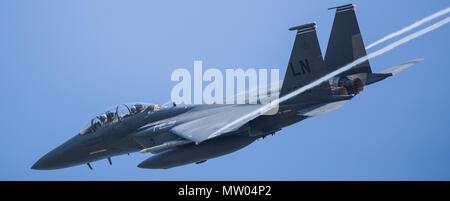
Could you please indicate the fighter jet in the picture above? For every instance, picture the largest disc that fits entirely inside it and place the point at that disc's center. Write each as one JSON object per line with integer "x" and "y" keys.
{"x": 180, "y": 135}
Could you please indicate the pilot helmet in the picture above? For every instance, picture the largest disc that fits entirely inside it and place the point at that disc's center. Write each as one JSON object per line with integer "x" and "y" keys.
{"x": 133, "y": 109}
{"x": 151, "y": 107}
{"x": 138, "y": 106}
{"x": 102, "y": 117}
{"x": 109, "y": 114}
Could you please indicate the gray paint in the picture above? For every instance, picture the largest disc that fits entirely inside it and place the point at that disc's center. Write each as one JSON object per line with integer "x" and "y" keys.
{"x": 156, "y": 130}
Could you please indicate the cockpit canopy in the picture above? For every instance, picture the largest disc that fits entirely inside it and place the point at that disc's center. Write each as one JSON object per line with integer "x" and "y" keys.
{"x": 116, "y": 114}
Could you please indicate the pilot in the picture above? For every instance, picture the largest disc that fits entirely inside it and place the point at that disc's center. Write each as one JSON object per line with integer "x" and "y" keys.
{"x": 133, "y": 110}
{"x": 151, "y": 108}
{"x": 96, "y": 125}
{"x": 139, "y": 107}
{"x": 102, "y": 118}
{"x": 110, "y": 116}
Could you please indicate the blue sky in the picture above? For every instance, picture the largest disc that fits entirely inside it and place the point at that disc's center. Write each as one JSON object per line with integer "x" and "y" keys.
{"x": 62, "y": 62}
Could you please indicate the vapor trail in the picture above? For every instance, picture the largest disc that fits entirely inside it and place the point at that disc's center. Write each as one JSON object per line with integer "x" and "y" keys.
{"x": 412, "y": 26}
{"x": 317, "y": 82}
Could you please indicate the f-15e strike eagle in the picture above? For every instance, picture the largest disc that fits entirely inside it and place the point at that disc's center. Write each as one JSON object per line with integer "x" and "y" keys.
{"x": 180, "y": 135}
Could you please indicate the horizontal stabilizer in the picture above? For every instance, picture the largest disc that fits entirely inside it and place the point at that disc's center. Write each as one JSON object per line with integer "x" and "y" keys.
{"x": 396, "y": 69}
{"x": 376, "y": 77}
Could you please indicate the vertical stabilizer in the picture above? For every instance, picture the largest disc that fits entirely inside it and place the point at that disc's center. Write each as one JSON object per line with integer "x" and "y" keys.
{"x": 305, "y": 64}
{"x": 346, "y": 43}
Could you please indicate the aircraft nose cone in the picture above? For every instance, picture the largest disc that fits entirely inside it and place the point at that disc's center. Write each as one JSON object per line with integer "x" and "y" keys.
{"x": 60, "y": 157}
{"x": 48, "y": 161}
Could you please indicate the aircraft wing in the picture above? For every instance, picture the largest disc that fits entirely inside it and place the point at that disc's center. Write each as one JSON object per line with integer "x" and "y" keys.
{"x": 325, "y": 107}
{"x": 215, "y": 124}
